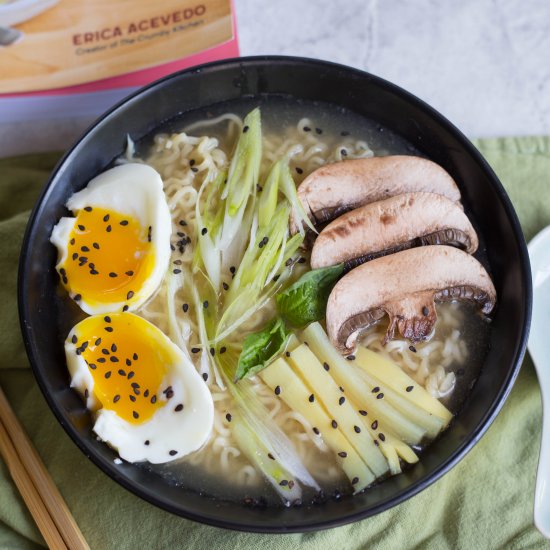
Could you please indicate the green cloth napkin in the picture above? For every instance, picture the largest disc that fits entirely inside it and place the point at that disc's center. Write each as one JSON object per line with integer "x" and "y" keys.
{"x": 484, "y": 502}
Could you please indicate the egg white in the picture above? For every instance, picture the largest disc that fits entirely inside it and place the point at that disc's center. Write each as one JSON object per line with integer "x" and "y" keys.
{"x": 135, "y": 190}
{"x": 167, "y": 430}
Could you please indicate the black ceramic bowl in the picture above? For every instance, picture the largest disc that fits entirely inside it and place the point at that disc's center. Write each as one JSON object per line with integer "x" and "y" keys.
{"x": 362, "y": 93}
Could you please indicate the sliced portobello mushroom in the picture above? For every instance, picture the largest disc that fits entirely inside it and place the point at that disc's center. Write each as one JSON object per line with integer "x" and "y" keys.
{"x": 405, "y": 286}
{"x": 388, "y": 226}
{"x": 336, "y": 188}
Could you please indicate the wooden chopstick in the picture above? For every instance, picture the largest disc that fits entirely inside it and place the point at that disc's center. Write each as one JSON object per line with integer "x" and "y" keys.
{"x": 37, "y": 488}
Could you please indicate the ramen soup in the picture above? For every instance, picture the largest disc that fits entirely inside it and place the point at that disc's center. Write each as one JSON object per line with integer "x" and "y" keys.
{"x": 283, "y": 302}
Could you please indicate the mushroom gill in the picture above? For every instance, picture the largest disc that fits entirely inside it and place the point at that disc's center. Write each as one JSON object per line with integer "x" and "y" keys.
{"x": 405, "y": 286}
{"x": 394, "y": 224}
{"x": 342, "y": 186}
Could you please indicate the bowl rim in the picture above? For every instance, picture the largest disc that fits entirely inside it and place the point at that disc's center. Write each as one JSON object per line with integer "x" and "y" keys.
{"x": 386, "y": 503}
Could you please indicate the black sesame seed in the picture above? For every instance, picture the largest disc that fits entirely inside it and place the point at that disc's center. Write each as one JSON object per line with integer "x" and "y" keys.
{"x": 355, "y": 480}
{"x": 191, "y": 163}
{"x": 124, "y": 222}
{"x": 129, "y": 273}
{"x": 82, "y": 228}
{"x": 106, "y": 218}
{"x": 363, "y": 412}
{"x": 195, "y": 350}
{"x": 270, "y": 456}
{"x": 77, "y": 297}
{"x": 316, "y": 431}
{"x": 344, "y": 152}
{"x": 108, "y": 374}
{"x": 341, "y": 389}
{"x": 113, "y": 359}
{"x": 130, "y": 295}
{"x": 125, "y": 308}
{"x": 135, "y": 414}
{"x": 350, "y": 357}
{"x": 409, "y": 389}
{"x": 135, "y": 356}
{"x": 311, "y": 398}
{"x": 147, "y": 442}
{"x": 173, "y": 453}
{"x": 146, "y": 393}
{"x": 132, "y": 398}
{"x": 177, "y": 271}
{"x": 376, "y": 389}
{"x": 72, "y": 241}
{"x": 101, "y": 360}
{"x": 343, "y": 454}
{"x": 287, "y": 353}
{"x": 108, "y": 229}
{"x": 334, "y": 424}
{"x": 122, "y": 372}
{"x": 185, "y": 308}
{"x": 223, "y": 349}
{"x": 212, "y": 352}
{"x": 341, "y": 401}
{"x": 299, "y": 170}
{"x": 205, "y": 376}
{"x": 116, "y": 398}
{"x": 96, "y": 246}
{"x": 169, "y": 388}
{"x": 84, "y": 249}
{"x": 128, "y": 362}
{"x": 376, "y": 442}
{"x": 374, "y": 425}
{"x": 307, "y": 129}
{"x": 412, "y": 348}
{"x": 225, "y": 286}
{"x": 283, "y": 482}
{"x": 105, "y": 351}
{"x": 75, "y": 256}
{"x": 169, "y": 394}
{"x": 326, "y": 366}
{"x": 178, "y": 408}
{"x": 154, "y": 399}
{"x": 232, "y": 269}
{"x": 74, "y": 339}
{"x": 357, "y": 429}
{"x": 205, "y": 304}
{"x": 277, "y": 390}
{"x": 204, "y": 231}
{"x": 245, "y": 129}
{"x": 425, "y": 311}
{"x": 319, "y": 130}
{"x": 131, "y": 374}
{"x": 92, "y": 366}
{"x": 109, "y": 329}
{"x": 382, "y": 437}
{"x": 62, "y": 271}
{"x": 228, "y": 417}
{"x": 380, "y": 396}
{"x": 113, "y": 274}
{"x": 113, "y": 347}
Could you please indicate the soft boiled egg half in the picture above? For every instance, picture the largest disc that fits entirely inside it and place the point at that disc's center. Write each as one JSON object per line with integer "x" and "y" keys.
{"x": 150, "y": 402}
{"x": 114, "y": 253}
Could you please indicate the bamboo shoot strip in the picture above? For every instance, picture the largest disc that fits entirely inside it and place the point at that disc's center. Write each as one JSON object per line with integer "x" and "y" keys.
{"x": 297, "y": 396}
{"x": 342, "y": 413}
{"x": 346, "y": 374}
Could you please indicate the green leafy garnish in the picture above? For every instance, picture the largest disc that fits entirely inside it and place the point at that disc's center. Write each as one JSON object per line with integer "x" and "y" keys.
{"x": 306, "y": 300}
{"x": 260, "y": 347}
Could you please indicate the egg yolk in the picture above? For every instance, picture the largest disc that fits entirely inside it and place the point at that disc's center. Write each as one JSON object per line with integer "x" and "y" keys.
{"x": 110, "y": 256}
{"x": 127, "y": 363}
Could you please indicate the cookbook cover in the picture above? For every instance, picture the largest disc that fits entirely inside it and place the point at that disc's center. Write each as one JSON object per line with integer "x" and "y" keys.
{"x": 64, "y": 58}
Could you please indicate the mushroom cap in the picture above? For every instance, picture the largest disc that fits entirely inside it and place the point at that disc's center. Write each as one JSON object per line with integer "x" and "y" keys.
{"x": 383, "y": 227}
{"x": 339, "y": 187}
{"x": 405, "y": 285}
